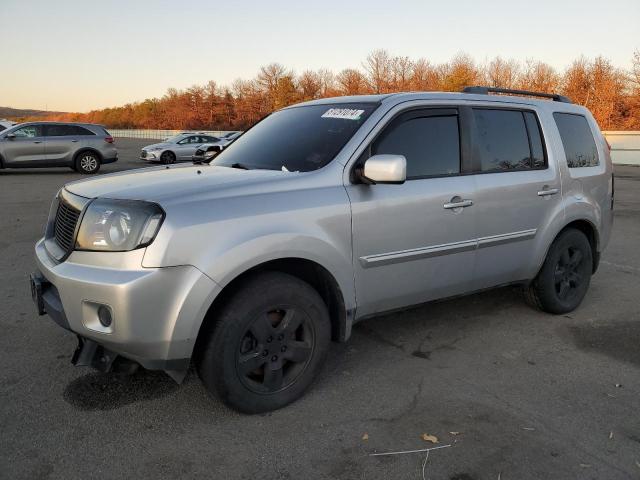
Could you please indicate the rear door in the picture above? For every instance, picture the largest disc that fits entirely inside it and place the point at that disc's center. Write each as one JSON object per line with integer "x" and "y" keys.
{"x": 518, "y": 193}
{"x": 26, "y": 148}
{"x": 62, "y": 141}
{"x": 416, "y": 241}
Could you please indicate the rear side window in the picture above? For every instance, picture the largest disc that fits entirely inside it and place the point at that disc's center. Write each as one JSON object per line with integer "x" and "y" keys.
{"x": 78, "y": 130}
{"x": 577, "y": 140}
{"x": 431, "y": 144}
{"x": 502, "y": 141}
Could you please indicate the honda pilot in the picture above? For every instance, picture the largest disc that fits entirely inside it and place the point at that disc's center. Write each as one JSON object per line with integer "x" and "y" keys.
{"x": 322, "y": 215}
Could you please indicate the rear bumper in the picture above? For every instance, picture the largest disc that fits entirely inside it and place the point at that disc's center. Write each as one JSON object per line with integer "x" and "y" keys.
{"x": 156, "y": 312}
{"x": 109, "y": 160}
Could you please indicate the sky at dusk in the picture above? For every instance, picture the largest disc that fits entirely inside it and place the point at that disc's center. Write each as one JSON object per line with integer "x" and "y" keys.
{"x": 78, "y": 55}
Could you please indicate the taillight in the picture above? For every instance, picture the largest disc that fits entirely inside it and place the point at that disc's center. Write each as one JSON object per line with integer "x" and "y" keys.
{"x": 109, "y": 139}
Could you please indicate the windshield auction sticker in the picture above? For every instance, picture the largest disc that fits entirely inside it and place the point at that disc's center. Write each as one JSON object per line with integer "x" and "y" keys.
{"x": 344, "y": 113}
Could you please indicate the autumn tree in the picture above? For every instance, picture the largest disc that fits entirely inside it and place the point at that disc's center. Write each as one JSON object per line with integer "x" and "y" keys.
{"x": 502, "y": 73}
{"x": 612, "y": 95}
{"x": 351, "y": 82}
{"x": 378, "y": 67}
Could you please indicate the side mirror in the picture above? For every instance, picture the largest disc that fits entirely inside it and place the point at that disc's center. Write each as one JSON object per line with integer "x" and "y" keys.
{"x": 10, "y": 136}
{"x": 384, "y": 169}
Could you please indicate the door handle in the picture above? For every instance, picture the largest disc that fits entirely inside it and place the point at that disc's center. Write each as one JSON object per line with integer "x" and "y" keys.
{"x": 457, "y": 203}
{"x": 546, "y": 191}
{"x": 74, "y": 141}
{"x": 37, "y": 141}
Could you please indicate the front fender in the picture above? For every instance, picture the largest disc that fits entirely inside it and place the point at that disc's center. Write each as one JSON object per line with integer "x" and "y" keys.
{"x": 226, "y": 264}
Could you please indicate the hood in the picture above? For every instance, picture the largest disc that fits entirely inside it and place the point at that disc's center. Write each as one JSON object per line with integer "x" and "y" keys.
{"x": 157, "y": 145}
{"x": 176, "y": 183}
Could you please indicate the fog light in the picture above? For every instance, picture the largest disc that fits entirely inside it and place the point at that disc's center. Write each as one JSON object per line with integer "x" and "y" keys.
{"x": 104, "y": 315}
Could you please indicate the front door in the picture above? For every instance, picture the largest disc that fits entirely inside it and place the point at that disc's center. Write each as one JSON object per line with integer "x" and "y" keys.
{"x": 416, "y": 241}
{"x": 26, "y": 148}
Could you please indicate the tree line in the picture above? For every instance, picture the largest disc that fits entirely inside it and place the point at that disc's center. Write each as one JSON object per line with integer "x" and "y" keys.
{"x": 611, "y": 93}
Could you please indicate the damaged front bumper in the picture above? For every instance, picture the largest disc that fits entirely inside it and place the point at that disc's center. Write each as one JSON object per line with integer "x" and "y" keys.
{"x": 155, "y": 313}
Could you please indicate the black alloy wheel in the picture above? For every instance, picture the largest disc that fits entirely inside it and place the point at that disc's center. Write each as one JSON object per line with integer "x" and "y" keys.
{"x": 266, "y": 343}
{"x": 564, "y": 278}
{"x": 275, "y": 350}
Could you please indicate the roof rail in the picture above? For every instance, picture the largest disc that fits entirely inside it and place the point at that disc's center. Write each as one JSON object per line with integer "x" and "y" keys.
{"x": 487, "y": 90}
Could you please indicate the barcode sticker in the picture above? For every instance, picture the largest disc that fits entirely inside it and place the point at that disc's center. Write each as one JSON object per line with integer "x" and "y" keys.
{"x": 344, "y": 113}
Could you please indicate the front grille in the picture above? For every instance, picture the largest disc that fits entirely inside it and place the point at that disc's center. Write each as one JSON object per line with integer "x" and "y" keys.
{"x": 65, "y": 225}
{"x": 143, "y": 154}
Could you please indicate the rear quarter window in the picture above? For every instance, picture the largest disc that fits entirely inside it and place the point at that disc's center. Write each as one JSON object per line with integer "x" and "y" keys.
{"x": 578, "y": 142}
{"x": 77, "y": 130}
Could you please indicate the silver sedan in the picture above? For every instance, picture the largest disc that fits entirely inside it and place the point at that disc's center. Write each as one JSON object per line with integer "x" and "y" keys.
{"x": 179, "y": 148}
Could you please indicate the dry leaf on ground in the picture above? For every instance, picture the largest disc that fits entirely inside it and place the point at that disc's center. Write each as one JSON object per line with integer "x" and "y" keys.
{"x": 429, "y": 438}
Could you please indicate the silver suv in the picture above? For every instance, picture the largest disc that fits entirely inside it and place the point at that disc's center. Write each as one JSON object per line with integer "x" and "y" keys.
{"x": 81, "y": 146}
{"x": 321, "y": 215}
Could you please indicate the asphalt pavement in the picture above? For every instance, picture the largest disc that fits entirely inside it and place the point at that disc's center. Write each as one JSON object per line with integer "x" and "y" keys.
{"x": 516, "y": 393}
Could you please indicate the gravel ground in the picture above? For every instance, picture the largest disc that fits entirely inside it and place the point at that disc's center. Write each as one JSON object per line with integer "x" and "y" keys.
{"x": 517, "y": 393}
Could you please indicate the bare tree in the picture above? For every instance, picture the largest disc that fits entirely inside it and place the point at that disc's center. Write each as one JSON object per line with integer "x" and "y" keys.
{"x": 351, "y": 82}
{"x": 378, "y": 69}
{"x": 502, "y": 73}
{"x": 539, "y": 77}
{"x": 424, "y": 76}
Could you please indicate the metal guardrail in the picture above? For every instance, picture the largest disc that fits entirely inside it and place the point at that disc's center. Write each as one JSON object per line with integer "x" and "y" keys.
{"x": 625, "y": 146}
{"x": 159, "y": 134}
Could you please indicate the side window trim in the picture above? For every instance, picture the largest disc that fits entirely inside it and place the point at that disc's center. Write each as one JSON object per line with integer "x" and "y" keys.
{"x": 475, "y": 161}
{"x": 419, "y": 112}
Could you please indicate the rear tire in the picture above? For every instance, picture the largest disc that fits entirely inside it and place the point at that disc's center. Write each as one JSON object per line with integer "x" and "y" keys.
{"x": 564, "y": 278}
{"x": 87, "y": 163}
{"x": 168, "y": 158}
{"x": 267, "y": 345}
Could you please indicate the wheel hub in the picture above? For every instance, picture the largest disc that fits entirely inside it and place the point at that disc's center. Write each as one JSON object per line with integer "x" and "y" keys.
{"x": 275, "y": 350}
{"x": 567, "y": 274}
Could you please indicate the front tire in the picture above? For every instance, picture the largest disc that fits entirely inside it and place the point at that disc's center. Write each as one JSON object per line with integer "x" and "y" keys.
{"x": 564, "y": 278}
{"x": 267, "y": 345}
{"x": 87, "y": 163}
{"x": 168, "y": 158}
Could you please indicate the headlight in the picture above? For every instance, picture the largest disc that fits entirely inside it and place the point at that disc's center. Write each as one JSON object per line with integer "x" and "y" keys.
{"x": 118, "y": 225}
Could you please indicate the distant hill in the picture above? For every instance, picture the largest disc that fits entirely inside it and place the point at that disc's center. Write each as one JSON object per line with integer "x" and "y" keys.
{"x": 8, "y": 112}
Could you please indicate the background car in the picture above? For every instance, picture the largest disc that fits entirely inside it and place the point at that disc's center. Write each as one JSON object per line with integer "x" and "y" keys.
{"x": 179, "y": 148}
{"x": 4, "y": 124}
{"x": 206, "y": 152}
{"x": 81, "y": 146}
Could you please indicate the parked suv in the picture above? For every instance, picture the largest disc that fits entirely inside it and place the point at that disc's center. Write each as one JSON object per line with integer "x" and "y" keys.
{"x": 81, "y": 146}
{"x": 321, "y": 215}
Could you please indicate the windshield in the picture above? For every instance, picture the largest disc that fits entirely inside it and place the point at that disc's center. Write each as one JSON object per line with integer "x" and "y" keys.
{"x": 175, "y": 138}
{"x": 298, "y": 139}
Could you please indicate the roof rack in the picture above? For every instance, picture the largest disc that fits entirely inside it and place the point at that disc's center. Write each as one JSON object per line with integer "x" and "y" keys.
{"x": 487, "y": 90}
